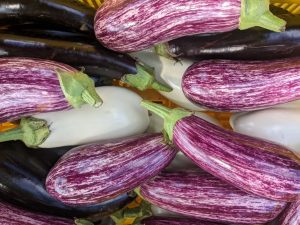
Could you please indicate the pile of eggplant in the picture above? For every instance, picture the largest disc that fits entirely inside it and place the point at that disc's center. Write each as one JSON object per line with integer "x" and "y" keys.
{"x": 84, "y": 151}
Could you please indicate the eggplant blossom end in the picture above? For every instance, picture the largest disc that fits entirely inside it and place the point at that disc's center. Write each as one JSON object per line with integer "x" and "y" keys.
{"x": 257, "y": 13}
{"x": 144, "y": 79}
{"x": 170, "y": 116}
{"x": 78, "y": 89}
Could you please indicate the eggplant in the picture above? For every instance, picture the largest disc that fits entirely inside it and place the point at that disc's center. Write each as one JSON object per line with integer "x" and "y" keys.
{"x": 10, "y": 214}
{"x": 291, "y": 215}
{"x": 93, "y": 58}
{"x": 134, "y": 25}
{"x": 70, "y": 14}
{"x": 176, "y": 221}
{"x": 114, "y": 119}
{"x": 257, "y": 166}
{"x": 252, "y": 44}
{"x": 234, "y": 85}
{"x": 29, "y": 86}
{"x": 96, "y": 172}
{"x": 280, "y": 125}
{"x": 201, "y": 195}
{"x": 22, "y": 176}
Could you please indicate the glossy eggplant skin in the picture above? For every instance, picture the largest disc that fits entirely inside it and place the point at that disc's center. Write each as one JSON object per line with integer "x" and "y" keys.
{"x": 252, "y": 44}
{"x": 94, "y": 58}
{"x": 22, "y": 176}
{"x": 176, "y": 221}
{"x": 67, "y": 13}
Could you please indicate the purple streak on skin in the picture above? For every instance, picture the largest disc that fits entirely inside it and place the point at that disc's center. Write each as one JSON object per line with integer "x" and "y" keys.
{"x": 232, "y": 85}
{"x": 98, "y": 172}
{"x": 291, "y": 215}
{"x": 30, "y": 86}
{"x": 176, "y": 221}
{"x": 201, "y": 195}
{"x": 134, "y": 25}
{"x": 10, "y": 215}
{"x": 251, "y": 164}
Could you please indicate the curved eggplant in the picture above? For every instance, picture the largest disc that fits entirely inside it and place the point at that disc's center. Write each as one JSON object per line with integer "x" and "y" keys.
{"x": 71, "y": 14}
{"x": 252, "y": 44}
{"x": 22, "y": 176}
{"x": 93, "y": 58}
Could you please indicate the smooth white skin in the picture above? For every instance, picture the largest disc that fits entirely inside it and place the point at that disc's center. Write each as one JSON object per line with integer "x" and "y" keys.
{"x": 120, "y": 115}
{"x": 180, "y": 162}
{"x": 280, "y": 125}
{"x": 169, "y": 72}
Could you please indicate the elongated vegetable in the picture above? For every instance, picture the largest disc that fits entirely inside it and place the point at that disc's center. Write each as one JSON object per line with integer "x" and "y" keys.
{"x": 280, "y": 125}
{"x": 252, "y": 44}
{"x": 199, "y": 194}
{"x": 96, "y": 172}
{"x": 29, "y": 86}
{"x": 254, "y": 165}
{"x": 228, "y": 85}
{"x": 291, "y": 215}
{"x": 176, "y": 221}
{"x": 22, "y": 175}
{"x": 78, "y": 54}
{"x": 15, "y": 216}
{"x": 135, "y": 25}
{"x": 70, "y": 14}
{"x": 114, "y": 119}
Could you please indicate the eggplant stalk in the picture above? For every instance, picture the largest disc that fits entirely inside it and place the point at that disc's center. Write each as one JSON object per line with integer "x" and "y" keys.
{"x": 31, "y": 131}
{"x": 78, "y": 89}
{"x": 257, "y": 13}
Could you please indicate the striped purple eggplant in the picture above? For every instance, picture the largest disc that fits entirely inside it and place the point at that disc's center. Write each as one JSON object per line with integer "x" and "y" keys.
{"x": 134, "y": 25}
{"x": 29, "y": 86}
{"x": 97, "y": 172}
{"x": 254, "y": 165}
{"x": 176, "y": 221}
{"x": 290, "y": 216}
{"x": 232, "y": 85}
{"x": 10, "y": 215}
{"x": 201, "y": 195}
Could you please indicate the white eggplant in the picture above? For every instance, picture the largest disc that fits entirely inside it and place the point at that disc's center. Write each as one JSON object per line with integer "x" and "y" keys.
{"x": 119, "y": 116}
{"x": 280, "y": 125}
{"x": 169, "y": 72}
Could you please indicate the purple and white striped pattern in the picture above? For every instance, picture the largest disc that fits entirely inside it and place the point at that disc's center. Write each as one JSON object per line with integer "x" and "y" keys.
{"x": 134, "y": 25}
{"x": 291, "y": 215}
{"x": 29, "y": 86}
{"x": 176, "y": 221}
{"x": 251, "y": 164}
{"x": 229, "y": 85}
{"x": 10, "y": 215}
{"x": 98, "y": 172}
{"x": 201, "y": 195}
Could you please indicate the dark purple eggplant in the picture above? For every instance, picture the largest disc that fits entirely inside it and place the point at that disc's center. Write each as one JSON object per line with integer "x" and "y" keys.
{"x": 68, "y": 13}
{"x": 251, "y": 164}
{"x": 93, "y": 173}
{"x": 176, "y": 221}
{"x": 135, "y": 25}
{"x": 93, "y": 58}
{"x": 201, "y": 195}
{"x": 236, "y": 85}
{"x": 22, "y": 176}
{"x": 29, "y": 86}
{"x": 252, "y": 44}
{"x": 12, "y": 215}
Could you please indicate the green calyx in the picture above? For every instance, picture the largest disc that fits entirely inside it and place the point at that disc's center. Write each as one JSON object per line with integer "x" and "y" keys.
{"x": 257, "y": 13}
{"x": 78, "y": 89}
{"x": 144, "y": 79}
{"x": 83, "y": 222}
{"x": 33, "y": 132}
{"x": 163, "y": 50}
{"x": 170, "y": 116}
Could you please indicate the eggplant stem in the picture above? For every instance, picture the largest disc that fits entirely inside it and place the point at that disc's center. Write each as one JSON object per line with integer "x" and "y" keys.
{"x": 33, "y": 132}
{"x": 78, "y": 89}
{"x": 163, "y": 50}
{"x": 144, "y": 79}
{"x": 257, "y": 13}
{"x": 170, "y": 116}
